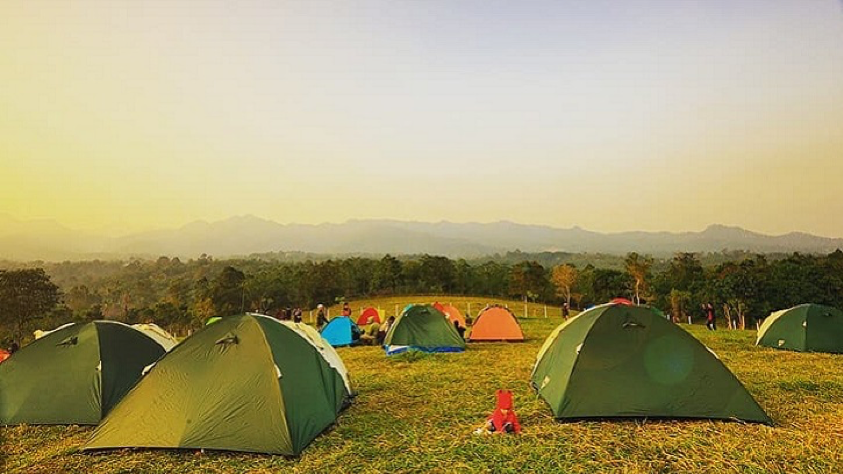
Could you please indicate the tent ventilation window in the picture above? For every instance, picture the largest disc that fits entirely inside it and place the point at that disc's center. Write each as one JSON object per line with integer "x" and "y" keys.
{"x": 229, "y": 340}
{"x": 70, "y": 341}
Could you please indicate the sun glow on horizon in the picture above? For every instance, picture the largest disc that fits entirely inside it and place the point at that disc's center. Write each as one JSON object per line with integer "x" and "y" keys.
{"x": 655, "y": 116}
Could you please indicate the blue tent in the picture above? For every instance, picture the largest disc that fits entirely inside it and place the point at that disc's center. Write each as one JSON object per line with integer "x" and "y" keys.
{"x": 341, "y": 331}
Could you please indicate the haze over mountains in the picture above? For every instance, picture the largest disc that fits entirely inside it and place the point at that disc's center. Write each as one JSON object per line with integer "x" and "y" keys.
{"x": 244, "y": 235}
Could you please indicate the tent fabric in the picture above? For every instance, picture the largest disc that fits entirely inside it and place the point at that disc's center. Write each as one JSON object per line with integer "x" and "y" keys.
{"x": 247, "y": 383}
{"x": 496, "y": 324}
{"x": 622, "y": 301}
{"x": 627, "y": 361}
{"x": 341, "y": 331}
{"x": 367, "y": 313}
{"x": 39, "y": 333}
{"x": 4, "y": 355}
{"x": 74, "y": 375}
{"x": 452, "y": 313}
{"x": 160, "y": 336}
{"x": 804, "y": 328}
{"x": 311, "y": 335}
{"x": 422, "y": 328}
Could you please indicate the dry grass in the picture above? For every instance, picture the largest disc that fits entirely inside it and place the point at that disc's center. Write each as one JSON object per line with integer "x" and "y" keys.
{"x": 415, "y": 413}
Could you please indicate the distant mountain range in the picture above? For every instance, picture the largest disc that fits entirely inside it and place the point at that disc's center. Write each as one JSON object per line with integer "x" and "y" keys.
{"x": 245, "y": 235}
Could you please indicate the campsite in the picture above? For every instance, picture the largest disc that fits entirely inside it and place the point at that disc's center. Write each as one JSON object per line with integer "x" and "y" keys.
{"x": 415, "y": 412}
{"x": 431, "y": 236}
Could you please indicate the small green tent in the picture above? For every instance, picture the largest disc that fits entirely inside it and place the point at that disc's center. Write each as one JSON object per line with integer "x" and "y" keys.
{"x": 422, "y": 328}
{"x": 245, "y": 383}
{"x": 617, "y": 360}
{"x": 74, "y": 375}
{"x": 804, "y": 328}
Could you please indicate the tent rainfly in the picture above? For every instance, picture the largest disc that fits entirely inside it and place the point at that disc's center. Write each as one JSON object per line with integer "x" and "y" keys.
{"x": 246, "y": 383}
{"x": 617, "y": 360}
{"x": 74, "y": 375}
{"x": 804, "y": 328}
{"x": 422, "y": 328}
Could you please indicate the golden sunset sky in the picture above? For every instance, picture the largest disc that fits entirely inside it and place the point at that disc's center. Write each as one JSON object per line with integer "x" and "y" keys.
{"x": 611, "y": 115}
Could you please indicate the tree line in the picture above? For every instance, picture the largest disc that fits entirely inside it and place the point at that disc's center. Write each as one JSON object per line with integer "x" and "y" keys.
{"x": 181, "y": 295}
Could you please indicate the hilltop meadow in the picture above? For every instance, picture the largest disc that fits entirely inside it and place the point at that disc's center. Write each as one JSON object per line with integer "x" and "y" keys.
{"x": 416, "y": 413}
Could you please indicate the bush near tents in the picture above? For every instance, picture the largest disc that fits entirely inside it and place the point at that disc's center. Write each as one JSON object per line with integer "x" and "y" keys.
{"x": 617, "y": 360}
{"x": 74, "y": 375}
{"x": 245, "y": 383}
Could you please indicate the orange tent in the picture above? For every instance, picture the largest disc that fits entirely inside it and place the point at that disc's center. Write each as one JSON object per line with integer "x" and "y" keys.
{"x": 366, "y": 314}
{"x": 4, "y": 355}
{"x": 451, "y": 312}
{"x": 496, "y": 324}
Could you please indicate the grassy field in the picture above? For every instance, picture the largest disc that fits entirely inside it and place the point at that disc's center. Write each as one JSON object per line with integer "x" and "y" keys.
{"x": 417, "y": 414}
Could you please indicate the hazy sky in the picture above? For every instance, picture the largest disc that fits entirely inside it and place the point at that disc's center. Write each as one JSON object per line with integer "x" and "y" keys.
{"x": 611, "y": 115}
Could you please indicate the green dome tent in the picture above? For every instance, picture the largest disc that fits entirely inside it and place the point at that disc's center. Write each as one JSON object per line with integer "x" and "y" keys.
{"x": 74, "y": 375}
{"x": 245, "y": 383}
{"x": 804, "y": 328}
{"x": 627, "y": 361}
{"x": 422, "y": 328}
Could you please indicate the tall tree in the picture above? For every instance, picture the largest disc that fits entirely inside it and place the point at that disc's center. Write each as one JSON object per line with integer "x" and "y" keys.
{"x": 228, "y": 291}
{"x": 563, "y": 278}
{"x": 527, "y": 279}
{"x": 638, "y": 268}
{"x": 26, "y": 295}
{"x": 387, "y": 274}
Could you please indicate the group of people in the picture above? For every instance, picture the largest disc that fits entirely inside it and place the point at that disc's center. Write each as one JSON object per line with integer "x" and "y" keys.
{"x": 289, "y": 314}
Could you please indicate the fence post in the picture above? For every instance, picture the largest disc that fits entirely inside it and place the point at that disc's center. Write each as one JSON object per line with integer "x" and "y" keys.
{"x": 545, "y": 311}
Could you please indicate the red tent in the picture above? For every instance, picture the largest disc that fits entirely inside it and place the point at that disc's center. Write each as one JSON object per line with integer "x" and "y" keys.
{"x": 622, "y": 301}
{"x": 363, "y": 319}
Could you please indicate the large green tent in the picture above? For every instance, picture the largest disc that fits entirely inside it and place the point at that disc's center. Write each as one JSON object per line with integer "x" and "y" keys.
{"x": 74, "y": 375}
{"x": 627, "y": 361}
{"x": 245, "y": 383}
{"x": 806, "y": 328}
{"x": 422, "y": 328}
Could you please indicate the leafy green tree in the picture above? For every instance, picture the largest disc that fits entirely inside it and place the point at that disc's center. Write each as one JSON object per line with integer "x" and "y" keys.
{"x": 26, "y": 295}
{"x": 528, "y": 277}
{"x": 228, "y": 291}
{"x": 437, "y": 274}
{"x": 387, "y": 275}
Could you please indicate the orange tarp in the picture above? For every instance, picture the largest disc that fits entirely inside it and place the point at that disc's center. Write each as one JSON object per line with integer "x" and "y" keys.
{"x": 496, "y": 324}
